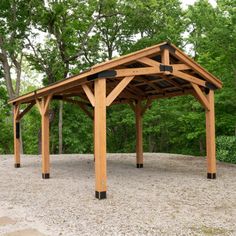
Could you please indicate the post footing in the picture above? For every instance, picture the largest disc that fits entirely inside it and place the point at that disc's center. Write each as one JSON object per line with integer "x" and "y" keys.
{"x": 211, "y": 175}
{"x": 139, "y": 165}
{"x": 100, "y": 195}
{"x": 17, "y": 165}
{"x": 45, "y": 175}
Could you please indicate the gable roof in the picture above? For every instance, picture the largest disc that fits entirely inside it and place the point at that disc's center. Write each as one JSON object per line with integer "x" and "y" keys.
{"x": 152, "y": 78}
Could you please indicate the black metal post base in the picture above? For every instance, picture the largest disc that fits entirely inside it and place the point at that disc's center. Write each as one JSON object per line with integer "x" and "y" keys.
{"x": 45, "y": 175}
{"x": 139, "y": 165}
{"x": 211, "y": 175}
{"x": 100, "y": 195}
{"x": 17, "y": 165}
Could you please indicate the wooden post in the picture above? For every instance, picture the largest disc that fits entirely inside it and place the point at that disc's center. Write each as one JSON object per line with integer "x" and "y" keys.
{"x": 100, "y": 138}
{"x": 44, "y": 111}
{"x": 139, "y": 134}
{"x": 17, "y": 143}
{"x": 45, "y": 144}
{"x": 210, "y": 137}
{"x": 165, "y": 57}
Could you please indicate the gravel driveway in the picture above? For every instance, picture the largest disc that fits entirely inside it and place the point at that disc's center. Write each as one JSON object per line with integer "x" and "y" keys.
{"x": 169, "y": 196}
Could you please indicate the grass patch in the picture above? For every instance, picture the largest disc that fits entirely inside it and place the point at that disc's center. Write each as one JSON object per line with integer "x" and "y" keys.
{"x": 211, "y": 231}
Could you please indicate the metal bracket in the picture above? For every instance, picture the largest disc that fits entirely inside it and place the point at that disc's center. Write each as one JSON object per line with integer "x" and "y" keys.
{"x": 107, "y": 74}
{"x": 166, "y": 68}
{"x": 17, "y": 130}
{"x": 210, "y": 86}
{"x": 102, "y": 74}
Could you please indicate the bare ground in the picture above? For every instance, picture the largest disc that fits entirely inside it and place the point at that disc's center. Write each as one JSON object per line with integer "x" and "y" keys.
{"x": 169, "y": 196}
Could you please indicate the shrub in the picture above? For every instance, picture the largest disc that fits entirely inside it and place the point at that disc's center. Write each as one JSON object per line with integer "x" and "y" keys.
{"x": 226, "y": 149}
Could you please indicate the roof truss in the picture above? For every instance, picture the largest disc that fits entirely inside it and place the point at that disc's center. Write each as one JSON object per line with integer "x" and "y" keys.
{"x": 156, "y": 72}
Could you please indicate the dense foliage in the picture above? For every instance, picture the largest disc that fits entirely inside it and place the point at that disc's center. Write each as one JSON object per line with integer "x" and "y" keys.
{"x": 226, "y": 148}
{"x": 61, "y": 38}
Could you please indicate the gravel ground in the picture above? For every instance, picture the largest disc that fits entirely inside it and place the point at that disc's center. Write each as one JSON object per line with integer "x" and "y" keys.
{"x": 169, "y": 196}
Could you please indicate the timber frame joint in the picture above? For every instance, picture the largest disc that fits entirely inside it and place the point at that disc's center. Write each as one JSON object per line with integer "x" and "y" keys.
{"x": 210, "y": 85}
{"x": 169, "y": 47}
{"x": 43, "y": 104}
{"x": 102, "y": 74}
{"x": 166, "y": 68}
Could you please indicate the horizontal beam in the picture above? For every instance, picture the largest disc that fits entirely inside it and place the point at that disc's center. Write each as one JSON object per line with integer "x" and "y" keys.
{"x": 149, "y": 62}
{"x": 137, "y": 71}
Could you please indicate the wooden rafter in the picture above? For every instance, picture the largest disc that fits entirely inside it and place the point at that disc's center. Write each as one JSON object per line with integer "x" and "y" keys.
{"x": 180, "y": 67}
{"x": 170, "y": 81}
{"x": 149, "y": 62}
{"x": 132, "y": 89}
{"x": 146, "y": 82}
{"x": 171, "y": 94}
{"x": 193, "y": 65}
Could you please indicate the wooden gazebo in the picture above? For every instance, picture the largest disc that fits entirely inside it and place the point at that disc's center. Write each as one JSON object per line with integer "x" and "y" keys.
{"x": 160, "y": 71}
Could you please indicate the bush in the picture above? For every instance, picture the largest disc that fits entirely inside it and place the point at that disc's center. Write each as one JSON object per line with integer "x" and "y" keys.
{"x": 226, "y": 149}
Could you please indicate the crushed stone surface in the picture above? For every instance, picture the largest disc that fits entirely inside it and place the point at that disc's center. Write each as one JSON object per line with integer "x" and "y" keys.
{"x": 169, "y": 196}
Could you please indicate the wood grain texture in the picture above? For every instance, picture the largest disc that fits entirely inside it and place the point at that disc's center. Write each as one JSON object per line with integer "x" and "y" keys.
{"x": 100, "y": 135}
{"x": 210, "y": 134}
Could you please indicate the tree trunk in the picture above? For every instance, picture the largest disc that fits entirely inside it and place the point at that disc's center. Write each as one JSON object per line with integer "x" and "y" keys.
{"x": 60, "y": 124}
{"x": 201, "y": 149}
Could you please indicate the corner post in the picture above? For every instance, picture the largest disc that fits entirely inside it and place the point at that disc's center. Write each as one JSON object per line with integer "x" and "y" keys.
{"x": 45, "y": 144}
{"x": 17, "y": 143}
{"x": 100, "y": 138}
{"x": 139, "y": 134}
{"x": 210, "y": 137}
{"x": 43, "y": 106}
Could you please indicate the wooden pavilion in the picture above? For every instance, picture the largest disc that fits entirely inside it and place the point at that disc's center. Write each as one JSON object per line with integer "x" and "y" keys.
{"x": 160, "y": 71}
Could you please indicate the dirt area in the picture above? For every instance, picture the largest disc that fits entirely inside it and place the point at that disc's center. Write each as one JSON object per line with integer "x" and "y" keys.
{"x": 169, "y": 196}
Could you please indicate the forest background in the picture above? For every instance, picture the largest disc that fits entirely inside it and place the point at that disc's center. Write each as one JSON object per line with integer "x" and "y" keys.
{"x": 42, "y": 42}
